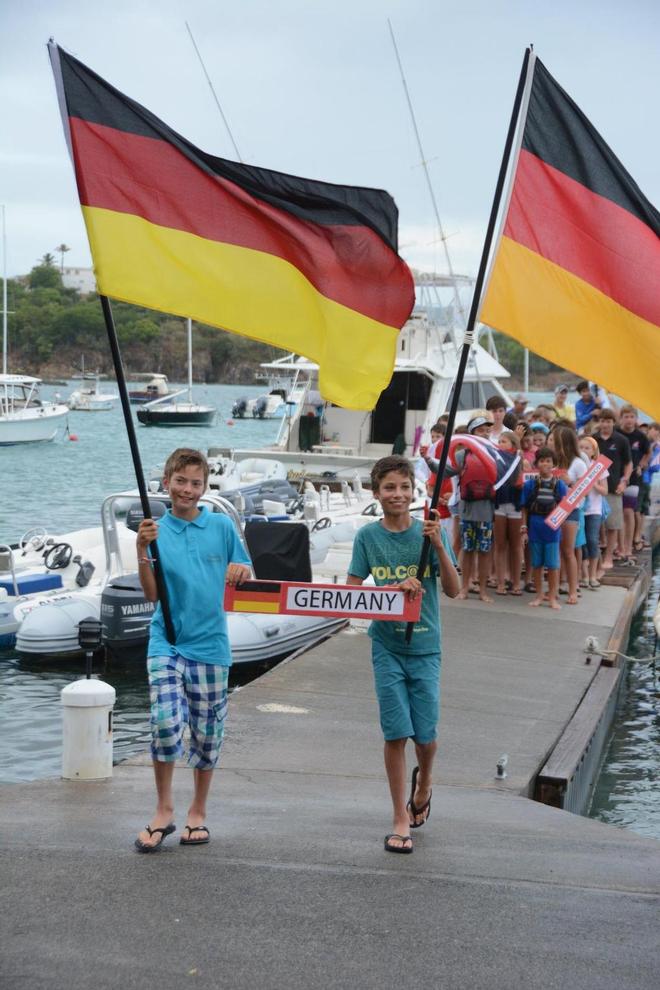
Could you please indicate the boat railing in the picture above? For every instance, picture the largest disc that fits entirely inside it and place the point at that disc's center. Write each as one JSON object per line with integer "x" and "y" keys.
{"x": 284, "y": 432}
{"x": 114, "y": 564}
{"x": 7, "y": 557}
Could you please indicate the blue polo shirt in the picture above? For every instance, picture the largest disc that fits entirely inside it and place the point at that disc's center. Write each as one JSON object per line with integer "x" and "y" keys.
{"x": 194, "y": 556}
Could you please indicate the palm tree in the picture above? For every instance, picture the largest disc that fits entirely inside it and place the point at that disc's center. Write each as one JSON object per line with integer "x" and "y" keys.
{"x": 62, "y": 248}
{"x": 47, "y": 261}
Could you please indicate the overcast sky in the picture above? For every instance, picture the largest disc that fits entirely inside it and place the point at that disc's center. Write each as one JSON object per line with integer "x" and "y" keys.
{"x": 312, "y": 87}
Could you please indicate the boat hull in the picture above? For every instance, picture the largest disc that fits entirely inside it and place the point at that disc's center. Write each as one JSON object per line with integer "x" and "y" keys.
{"x": 163, "y": 417}
{"x": 15, "y": 429}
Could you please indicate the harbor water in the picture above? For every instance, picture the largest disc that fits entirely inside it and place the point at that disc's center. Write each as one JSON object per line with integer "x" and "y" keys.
{"x": 61, "y": 485}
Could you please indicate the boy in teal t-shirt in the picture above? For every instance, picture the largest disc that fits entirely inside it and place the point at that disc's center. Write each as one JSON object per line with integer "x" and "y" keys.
{"x": 406, "y": 675}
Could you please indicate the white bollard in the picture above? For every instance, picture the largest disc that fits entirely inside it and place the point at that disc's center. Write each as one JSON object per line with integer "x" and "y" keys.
{"x": 87, "y": 730}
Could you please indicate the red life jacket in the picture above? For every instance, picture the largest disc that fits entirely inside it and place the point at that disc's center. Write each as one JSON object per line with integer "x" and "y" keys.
{"x": 474, "y": 482}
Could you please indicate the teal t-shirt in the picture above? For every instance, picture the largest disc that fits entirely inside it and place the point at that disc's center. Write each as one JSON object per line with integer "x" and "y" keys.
{"x": 390, "y": 558}
{"x": 194, "y": 557}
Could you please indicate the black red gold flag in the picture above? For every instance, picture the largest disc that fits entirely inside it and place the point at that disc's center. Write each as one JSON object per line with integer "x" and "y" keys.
{"x": 307, "y": 266}
{"x": 576, "y": 272}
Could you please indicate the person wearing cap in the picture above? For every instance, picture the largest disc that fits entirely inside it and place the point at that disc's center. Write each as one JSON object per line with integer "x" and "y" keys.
{"x": 476, "y": 511}
{"x": 563, "y": 409}
{"x": 519, "y": 405}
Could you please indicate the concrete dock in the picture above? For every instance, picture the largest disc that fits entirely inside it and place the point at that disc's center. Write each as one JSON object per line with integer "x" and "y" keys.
{"x": 295, "y": 889}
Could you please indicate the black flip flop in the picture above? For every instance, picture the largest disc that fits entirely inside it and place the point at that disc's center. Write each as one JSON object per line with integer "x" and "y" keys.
{"x": 412, "y": 808}
{"x": 195, "y": 842}
{"x": 398, "y": 849}
{"x": 143, "y": 847}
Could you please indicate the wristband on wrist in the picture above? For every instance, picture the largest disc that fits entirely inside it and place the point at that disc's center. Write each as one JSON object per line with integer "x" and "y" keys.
{"x": 145, "y": 560}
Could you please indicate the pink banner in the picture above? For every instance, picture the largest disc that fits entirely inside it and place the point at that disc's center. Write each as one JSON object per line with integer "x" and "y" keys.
{"x": 578, "y": 492}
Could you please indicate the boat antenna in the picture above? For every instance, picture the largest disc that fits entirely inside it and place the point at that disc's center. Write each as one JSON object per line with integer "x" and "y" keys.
{"x": 427, "y": 174}
{"x": 217, "y": 101}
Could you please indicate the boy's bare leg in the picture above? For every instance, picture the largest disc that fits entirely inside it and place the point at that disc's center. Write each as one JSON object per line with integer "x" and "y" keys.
{"x": 197, "y": 810}
{"x": 537, "y": 577}
{"x": 553, "y": 588}
{"x": 425, "y": 755}
{"x": 163, "y": 774}
{"x": 466, "y": 573}
{"x": 395, "y": 768}
{"x": 484, "y": 563}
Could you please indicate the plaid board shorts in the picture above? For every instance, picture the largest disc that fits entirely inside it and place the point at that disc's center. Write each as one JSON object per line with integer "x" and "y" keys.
{"x": 187, "y": 693}
{"x": 476, "y": 536}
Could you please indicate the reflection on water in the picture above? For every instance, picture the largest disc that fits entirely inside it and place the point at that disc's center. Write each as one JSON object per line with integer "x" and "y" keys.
{"x": 627, "y": 792}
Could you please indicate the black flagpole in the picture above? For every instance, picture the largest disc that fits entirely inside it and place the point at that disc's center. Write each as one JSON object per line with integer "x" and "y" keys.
{"x": 137, "y": 463}
{"x": 476, "y": 298}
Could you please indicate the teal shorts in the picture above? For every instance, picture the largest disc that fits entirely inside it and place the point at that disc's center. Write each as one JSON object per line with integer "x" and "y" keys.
{"x": 408, "y": 692}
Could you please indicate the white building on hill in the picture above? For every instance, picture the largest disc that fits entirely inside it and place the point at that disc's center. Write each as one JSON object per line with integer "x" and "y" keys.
{"x": 81, "y": 279}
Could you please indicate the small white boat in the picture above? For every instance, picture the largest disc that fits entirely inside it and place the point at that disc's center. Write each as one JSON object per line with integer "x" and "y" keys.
{"x": 50, "y": 625}
{"x": 24, "y": 417}
{"x": 44, "y": 568}
{"x": 92, "y": 399}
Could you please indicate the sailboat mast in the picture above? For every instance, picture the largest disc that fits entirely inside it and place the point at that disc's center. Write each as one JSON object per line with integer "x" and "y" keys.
{"x": 190, "y": 361}
{"x": 4, "y": 295}
{"x": 427, "y": 174}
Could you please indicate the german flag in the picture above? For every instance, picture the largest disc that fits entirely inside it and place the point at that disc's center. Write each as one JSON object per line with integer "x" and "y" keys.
{"x": 577, "y": 269}
{"x": 253, "y": 596}
{"x": 308, "y": 266}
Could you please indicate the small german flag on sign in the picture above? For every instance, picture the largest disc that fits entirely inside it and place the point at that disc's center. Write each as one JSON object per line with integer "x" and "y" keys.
{"x": 254, "y": 596}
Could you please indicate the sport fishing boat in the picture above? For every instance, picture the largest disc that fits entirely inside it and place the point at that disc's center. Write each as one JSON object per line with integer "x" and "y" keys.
{"x": 147, "y": 387}
{"x": 321, "y": 441}
{"x": 24, "y": 416}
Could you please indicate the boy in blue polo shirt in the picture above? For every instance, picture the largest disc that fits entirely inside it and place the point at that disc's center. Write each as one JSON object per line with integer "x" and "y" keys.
{"x": 199, "y": 552}
{"x": 406, "y": 675}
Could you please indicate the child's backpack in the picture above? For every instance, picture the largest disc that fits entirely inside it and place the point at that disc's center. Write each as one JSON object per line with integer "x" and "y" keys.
{"x": 545, "y": 497}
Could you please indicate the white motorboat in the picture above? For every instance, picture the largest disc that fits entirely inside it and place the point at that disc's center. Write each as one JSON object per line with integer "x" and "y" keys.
{"x": 318, "y": 439}
{"x": 90, "y": 398}
{"x": 24, "y": 416}
{"x": 50, "y": 626}
{"x": 43, "y": 568}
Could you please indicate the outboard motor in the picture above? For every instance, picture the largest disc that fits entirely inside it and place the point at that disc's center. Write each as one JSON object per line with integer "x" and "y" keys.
{"x": 239, "y": 408}
{"x": 260, "y": 406}
{"x": 125, "y": 618}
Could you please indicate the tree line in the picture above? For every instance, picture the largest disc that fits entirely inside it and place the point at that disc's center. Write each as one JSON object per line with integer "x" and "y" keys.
{"x": 51, "y": 329}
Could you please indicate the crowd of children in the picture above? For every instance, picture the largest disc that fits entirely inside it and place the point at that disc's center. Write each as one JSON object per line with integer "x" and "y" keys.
{"x": 501, "y": 537}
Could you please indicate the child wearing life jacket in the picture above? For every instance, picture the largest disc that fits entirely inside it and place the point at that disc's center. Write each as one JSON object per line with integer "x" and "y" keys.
{"x": 539, "y": 498}
{"x": 476, "y": 512}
